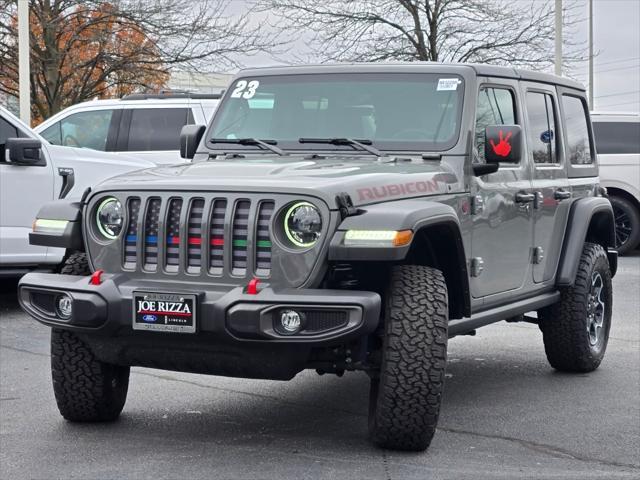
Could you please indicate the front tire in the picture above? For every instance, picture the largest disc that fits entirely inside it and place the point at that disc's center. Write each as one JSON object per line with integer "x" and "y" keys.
{"x": 576, "y": 329}
{"x": 405, "y": 400}
{"x": 627, "y": 224}
{"x": 86, "y": 389}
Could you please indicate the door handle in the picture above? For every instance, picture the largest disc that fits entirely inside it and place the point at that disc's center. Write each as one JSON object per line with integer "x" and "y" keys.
{"x": 522, "y": 197}
{"x": 561, "y": 194}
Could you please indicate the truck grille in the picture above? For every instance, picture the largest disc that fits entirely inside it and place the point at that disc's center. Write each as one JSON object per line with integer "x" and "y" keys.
{"x": 213, "y": 236}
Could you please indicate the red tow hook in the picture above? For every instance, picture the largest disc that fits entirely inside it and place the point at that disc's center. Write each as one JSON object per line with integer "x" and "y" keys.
{"x": 96, "y": 277}
{"x": 252, "y": 287}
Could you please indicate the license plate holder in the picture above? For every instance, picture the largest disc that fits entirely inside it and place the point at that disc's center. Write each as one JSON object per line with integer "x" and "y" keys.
{"x": 164, "y": 312}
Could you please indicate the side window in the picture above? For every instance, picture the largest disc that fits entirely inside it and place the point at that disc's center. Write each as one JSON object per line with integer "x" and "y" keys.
{"x": 6, "y": 131}
{"x": 53, "y": 134}
{"x": 542, "y": 127}
{"x": 575, "y": 119}
{"x": 617, "y": 137}
{"x": 156, "y": 128}
{"x": 86, "y": 129}
{"x": 496, "y": 106}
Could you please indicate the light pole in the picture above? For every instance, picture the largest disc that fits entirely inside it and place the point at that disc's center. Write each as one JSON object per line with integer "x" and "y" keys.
{"x": 558, "y": 16}
{"x": 24, "y": 89}
{"x": 591, "y": 106}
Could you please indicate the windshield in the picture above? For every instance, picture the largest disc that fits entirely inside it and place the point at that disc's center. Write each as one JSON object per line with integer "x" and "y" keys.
{"x": 396, "y": 111}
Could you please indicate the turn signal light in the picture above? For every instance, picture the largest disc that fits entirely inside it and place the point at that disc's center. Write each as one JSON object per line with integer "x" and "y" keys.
{"x": 378, "y": 238}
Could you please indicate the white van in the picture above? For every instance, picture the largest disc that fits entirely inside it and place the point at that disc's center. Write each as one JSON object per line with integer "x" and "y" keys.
{"x": 142, "y": 125}
{"x": 32, "y": 173}
{"x": 617, "y": 137}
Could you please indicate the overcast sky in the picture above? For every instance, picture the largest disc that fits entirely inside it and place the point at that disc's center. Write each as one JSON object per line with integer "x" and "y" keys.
{"x": 616, "y": 43}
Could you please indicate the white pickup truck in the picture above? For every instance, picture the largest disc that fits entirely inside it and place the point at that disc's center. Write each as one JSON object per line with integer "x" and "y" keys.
{"x": 34, "y": 172}
{"x": 617, "y": 137}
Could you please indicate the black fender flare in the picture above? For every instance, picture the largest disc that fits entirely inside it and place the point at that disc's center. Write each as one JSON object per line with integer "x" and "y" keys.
{"x": 417, "y": 215}
{"x": 589, "y": 219}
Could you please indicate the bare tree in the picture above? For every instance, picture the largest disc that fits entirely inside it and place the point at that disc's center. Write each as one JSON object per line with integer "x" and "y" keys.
{"x": 506, "y": 32}
{"x": 86, "y": 49}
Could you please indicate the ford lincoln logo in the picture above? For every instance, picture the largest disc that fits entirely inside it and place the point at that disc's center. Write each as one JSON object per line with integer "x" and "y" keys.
{"x": 149, "y": 318}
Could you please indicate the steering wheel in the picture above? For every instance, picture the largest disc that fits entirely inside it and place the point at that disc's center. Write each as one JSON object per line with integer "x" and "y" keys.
{"x": 71, "y": 141}
{"x": 410, "y": 133}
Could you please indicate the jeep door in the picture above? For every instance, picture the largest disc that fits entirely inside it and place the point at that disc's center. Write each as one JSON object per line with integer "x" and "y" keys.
{"x": 502, "y": 223}
{"x": 550, "y": 184}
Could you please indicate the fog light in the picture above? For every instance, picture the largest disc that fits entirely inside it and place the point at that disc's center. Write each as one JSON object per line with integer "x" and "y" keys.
{"x": 64, "y": 307}
{"x": 290, "y": 322}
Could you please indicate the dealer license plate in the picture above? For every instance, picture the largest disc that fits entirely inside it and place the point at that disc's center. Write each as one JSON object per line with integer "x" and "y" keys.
{"x": 164, "y": 312}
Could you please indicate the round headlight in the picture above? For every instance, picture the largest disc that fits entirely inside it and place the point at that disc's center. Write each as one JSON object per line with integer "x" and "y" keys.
{"x": 109, "y": 218}
{"x": 303, "y": 224}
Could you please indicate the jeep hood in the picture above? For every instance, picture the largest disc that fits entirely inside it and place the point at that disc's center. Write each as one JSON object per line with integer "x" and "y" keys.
{"x": 365, "y": 179}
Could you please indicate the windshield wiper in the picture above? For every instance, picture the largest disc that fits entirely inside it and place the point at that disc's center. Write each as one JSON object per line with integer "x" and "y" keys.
{"x": 265, "y": 144}
{"x": 361, "y": 144}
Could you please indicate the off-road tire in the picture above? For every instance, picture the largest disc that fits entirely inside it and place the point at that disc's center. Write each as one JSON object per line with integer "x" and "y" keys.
{"x": 76, "y": 264}
{"x": 86, "y": 389}
{"x": 626, "y": 215}
{"x": 565, "y": 324}
{"x": 404, "y": 401}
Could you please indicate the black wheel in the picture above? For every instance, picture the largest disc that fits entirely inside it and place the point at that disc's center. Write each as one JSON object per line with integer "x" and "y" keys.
{"x": 627, "y": 222}
{"x": 86, "y": 389}
{"x": 576, "y": 329}
{"x": 76, "y": 264}
{"x": 405, "y": 399}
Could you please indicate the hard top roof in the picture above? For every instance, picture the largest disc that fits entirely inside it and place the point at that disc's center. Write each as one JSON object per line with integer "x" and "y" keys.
{"x": 409, "y": 67}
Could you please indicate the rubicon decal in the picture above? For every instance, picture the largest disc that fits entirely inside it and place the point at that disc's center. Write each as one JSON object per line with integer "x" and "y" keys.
{"x": 397, "y": 190}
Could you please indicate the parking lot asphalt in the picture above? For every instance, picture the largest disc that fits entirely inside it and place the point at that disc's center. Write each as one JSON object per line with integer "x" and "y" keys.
{"x": 506, "y": 414}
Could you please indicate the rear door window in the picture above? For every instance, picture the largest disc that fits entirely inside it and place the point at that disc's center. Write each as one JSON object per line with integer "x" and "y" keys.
{"x": 542, "y": 127}
{"x": 617, "y": 137}
{"x": 157, "y": 128}
{"x": 575, "y": 121}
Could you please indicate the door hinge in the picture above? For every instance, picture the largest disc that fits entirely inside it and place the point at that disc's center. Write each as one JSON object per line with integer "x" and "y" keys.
{"x": 538, "y": 255}
{"x": 477, "y": 266}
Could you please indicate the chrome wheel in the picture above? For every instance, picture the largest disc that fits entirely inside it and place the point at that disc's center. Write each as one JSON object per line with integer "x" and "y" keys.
{"x": 595, "y": 310}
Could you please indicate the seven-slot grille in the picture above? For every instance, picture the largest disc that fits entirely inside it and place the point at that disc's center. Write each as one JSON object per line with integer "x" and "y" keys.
{"x": 215, "y": 235}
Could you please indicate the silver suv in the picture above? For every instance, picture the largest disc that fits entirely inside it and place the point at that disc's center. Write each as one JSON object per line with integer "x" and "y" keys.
{"x": 142, "y": 125}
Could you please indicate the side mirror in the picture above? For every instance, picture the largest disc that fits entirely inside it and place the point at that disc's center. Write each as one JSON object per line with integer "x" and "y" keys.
{"x": 25, "y": 151}
{"x": 502, "y": 143}
{"x": 190, "y": 137}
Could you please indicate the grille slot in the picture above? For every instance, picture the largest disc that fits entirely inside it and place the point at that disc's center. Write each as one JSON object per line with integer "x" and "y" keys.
{"x": 263, "y": 240}
{"x": 194, "y": 235}
{"x": 172, "y": 228}
{"x": 151, "y": 234}
{"x": 239, "y": 235}
{"x": 216, "y": 237}
{"x": 131, "y": 237}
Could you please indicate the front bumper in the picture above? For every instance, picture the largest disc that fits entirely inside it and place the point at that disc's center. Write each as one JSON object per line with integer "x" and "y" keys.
{"x": 225, "y": 314}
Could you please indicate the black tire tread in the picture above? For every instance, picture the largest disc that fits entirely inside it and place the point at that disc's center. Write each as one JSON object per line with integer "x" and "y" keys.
{"x": 566, "y": 340}
{"x": 76, "y": 264}
{"x": 405, "y": 402}
{"x": 86, "y": 389}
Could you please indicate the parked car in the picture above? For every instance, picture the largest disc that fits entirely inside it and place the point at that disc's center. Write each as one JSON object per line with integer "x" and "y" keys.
{"x": 618, "y": 145}
{"x": 142, "y": 125}
{"x": 295, "y": 241}
{"x": 32, "y": 173}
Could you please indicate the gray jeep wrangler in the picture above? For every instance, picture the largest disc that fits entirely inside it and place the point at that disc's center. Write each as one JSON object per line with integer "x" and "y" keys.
{"x": 338, "y": 218}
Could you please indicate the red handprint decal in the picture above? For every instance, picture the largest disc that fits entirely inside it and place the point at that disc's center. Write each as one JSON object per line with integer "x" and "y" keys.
{"x": 503, "y": 148}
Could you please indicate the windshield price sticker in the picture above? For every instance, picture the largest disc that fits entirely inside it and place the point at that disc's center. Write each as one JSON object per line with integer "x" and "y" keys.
{"x": 245, "y": 89}
{"x": 445, "y": 84}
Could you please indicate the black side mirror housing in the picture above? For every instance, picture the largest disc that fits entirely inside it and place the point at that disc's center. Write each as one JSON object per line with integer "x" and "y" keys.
{"x": 190, "y": 137}
{"x": 25, "y": 151}
{"x": 502, "y": 144}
